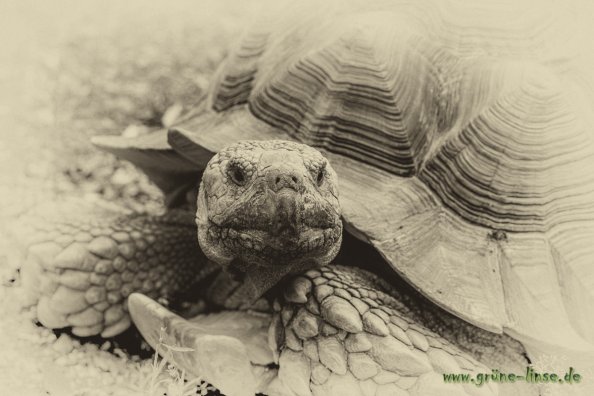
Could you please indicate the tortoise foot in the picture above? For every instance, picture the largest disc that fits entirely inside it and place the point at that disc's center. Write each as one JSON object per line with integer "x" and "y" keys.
{"x": 82, "y": 261}
{"x": 333, "y": 332}
{"x": 338, "y": 334}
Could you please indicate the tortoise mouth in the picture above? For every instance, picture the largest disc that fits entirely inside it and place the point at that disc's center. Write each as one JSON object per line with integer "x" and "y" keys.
{"x": 272, "y": 249}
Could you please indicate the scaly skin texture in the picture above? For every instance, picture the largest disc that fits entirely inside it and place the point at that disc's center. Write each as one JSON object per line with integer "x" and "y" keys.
{"x": 80, "y": 269}
{"x": 345, "y": 333}
{"x": 266, "y": 209}
{"x": 340, "y": 330}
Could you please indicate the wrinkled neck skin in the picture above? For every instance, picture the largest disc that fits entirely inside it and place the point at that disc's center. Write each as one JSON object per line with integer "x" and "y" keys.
{"x": 267, "y": 209}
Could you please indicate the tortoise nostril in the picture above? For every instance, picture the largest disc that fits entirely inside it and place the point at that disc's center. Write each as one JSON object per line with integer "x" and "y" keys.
{"x": 279, "y": 179}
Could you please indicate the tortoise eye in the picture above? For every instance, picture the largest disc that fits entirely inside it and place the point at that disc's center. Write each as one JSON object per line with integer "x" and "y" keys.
{"x": 237, "y": 175}
{"x": 320, "y": 175}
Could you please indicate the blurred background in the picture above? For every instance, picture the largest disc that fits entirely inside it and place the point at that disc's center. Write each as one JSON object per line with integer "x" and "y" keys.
{"x": 73, "y": 69}
{"x": 70, "y": 70}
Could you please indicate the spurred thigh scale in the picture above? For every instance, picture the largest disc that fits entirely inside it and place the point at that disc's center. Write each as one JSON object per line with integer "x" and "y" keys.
{"x": 82, "y": 261}
{"x": 342, "y": 330}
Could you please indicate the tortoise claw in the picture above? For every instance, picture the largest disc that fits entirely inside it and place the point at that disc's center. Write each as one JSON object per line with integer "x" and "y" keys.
{"x": 204, "y": 347}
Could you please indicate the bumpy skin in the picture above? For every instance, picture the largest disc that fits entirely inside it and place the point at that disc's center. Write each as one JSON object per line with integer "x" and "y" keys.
{"x": 268, "y": 208}
{"x": 336, "y": 330}
{"x": 82, "y": 262}
{"x": 340, "y": 330}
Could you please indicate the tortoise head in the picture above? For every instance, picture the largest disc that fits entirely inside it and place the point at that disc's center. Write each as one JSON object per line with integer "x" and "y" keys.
{"x": 269, "y": 208}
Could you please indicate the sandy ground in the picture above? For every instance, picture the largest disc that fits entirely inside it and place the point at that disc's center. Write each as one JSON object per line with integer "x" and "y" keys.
{"x": 70, "y": 70}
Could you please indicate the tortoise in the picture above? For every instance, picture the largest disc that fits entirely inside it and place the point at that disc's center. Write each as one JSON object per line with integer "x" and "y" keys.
{"x": 457, "y": 137}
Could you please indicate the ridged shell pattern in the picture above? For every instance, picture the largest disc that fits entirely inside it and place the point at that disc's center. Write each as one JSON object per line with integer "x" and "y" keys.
{"x": 472, "y": 122}
{"x": 409, "y": 92}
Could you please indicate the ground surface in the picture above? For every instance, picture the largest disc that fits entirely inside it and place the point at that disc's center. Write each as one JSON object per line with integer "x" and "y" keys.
{"x": 68, "y": 71}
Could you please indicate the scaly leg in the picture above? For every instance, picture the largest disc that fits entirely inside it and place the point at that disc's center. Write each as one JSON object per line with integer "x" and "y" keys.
{"x": 340, "y": 331}
{"x": 81, "y": 261}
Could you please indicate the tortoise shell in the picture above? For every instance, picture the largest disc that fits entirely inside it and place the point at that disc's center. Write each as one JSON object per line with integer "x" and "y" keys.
{"x": 461, "y": 135}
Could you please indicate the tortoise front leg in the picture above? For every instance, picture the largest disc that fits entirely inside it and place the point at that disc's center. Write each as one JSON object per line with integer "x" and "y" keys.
{"x": 337, "y": 331}
{"x": 82, "y": 261}
{"x": 340, "y": 330}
